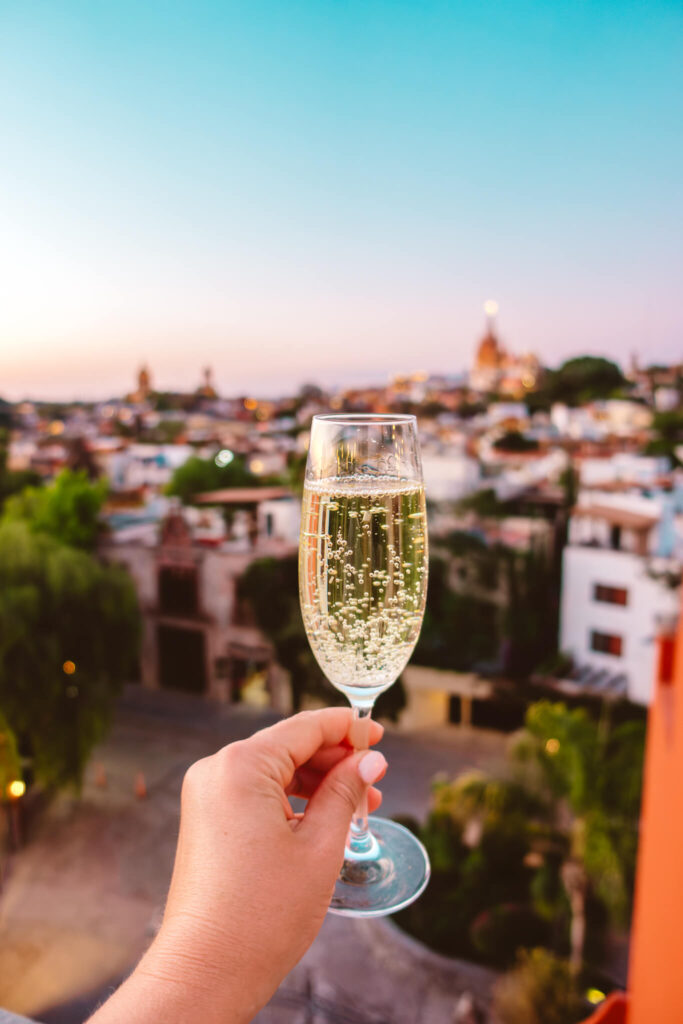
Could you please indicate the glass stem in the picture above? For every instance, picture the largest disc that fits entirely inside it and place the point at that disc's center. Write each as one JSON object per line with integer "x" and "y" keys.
{"x": 361, "y": 844}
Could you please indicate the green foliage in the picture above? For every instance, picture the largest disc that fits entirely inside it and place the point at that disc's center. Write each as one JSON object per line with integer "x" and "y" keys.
{"x": 499, "y": 846}
{"x": 432, "y": 408}
{"x": 514, "y": 441}
{"x": 270, "y": 586}
{"x": 563, "y": 755}
{"x": 5, "y": 418}
{"x": 67, "y": 510}
{"x": 10, "y": 762}
{"x": 498, "y": 933}
{"x": 58, "y": 605}
{"x": 165, "y": 432}
{"x": 484, "y": 504}
{"x": 475, "y": 792}
{"x": 296, "y": 470}
{"x": 563, "y": 744}
{"x": 524, "y": 629}
{"x": 12, "y": 481}
{"x": 461, "y": 909}
{"x": 531, "y": 621}
{"x": 582, "y": 380}
{"x": 467, "y": 410}
{"x": 448, "y": 615}
{"x": 667, "y": 430}
{"x": 461, "y": 543}
{"x": 569, "y": 482}
{"x": 199, "y": 475}
{"x": 539, "y": 990}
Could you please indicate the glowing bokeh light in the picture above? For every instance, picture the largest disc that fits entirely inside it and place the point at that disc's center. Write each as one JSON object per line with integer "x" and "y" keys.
{"x": 552, "y": 747}
{"x": 69, "y": 668}
{"x": 224, "y": 457}
{"x": 16, "y": 789}
{"x": 490, "y": 307}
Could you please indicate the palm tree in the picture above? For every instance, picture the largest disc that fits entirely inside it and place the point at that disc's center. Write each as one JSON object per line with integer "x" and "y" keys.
{"x": 589, "y": 781}
{"x": 577, "y": 789}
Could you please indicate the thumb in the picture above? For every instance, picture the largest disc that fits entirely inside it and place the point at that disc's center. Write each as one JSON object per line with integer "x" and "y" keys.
{"x": 330, "y": 809}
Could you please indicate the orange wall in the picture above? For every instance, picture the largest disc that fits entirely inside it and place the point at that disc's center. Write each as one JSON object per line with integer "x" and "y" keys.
{"x": 656, "y": 967}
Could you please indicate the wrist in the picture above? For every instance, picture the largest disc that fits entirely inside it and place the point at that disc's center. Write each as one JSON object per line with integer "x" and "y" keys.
{"x": 191, "y": 977}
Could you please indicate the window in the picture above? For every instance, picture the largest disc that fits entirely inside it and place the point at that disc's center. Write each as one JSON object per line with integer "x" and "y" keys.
{"x": 606, "y": 643}
{"x": 667, "y": 648}
{"x": 610, "y": 595}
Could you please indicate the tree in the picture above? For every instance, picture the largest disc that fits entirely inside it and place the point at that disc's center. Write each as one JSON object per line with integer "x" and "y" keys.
{"x": 584, "y": 379}
{"x": 577, "y": 381}
{"x": 68, "y": 509}
{"x": 10, "y": 762}
{"x": 473, "y": 620}
{"x": 68, "y": 639}
{"x": 270, "y": 586}
{"x": 531, "y": 618}
{"x": 518, "y": 856}
{"x": 478, "y": 904}
{"x": 200, "y": 475}
{"x": 667, "y": 429}
{"x": 484, "y": 503}
{"x": 539, "y": 990}
{"x": 515, "y": 442}
{"x": 591, "y": 783}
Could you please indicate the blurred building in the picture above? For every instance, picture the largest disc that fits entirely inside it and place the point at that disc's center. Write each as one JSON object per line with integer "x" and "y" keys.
{"x": 495, "y": 370}
{"x": 207, "y": 389}
{"x": 197, "y": 634}
{"x": 621, "y": 575}
{"x": 144, "y": 388}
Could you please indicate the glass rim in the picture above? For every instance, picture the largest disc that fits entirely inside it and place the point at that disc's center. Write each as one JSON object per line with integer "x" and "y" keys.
{"x": 365, "y": 419}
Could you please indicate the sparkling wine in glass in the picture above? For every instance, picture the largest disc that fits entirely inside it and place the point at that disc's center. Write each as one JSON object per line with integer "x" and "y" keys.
{"x": 363, "y": 585}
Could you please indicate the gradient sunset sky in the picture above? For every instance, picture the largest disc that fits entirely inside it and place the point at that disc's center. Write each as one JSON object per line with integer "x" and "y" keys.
{"x": 329, "y": 190}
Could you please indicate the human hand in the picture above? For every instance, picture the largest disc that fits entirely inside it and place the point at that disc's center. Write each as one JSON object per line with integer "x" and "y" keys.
{"x": 252, "y": 881}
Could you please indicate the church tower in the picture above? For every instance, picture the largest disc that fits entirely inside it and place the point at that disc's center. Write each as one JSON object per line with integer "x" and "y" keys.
{"x": 490, "y": 359}
{"x": 207, "y": 389}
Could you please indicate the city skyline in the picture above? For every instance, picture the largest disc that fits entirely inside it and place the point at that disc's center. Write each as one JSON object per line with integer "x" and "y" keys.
{"x": 329, "y": 193}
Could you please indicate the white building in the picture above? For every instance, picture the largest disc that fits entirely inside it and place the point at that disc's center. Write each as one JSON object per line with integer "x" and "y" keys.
{"x": 146, "y": 465}
{"x": 449, "y": 475}
{"x": 623, "y": 467}
{"x": 619, "y": 582}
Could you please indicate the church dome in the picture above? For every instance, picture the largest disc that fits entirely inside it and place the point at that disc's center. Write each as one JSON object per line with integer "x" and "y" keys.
{"x": 489, "y": 353}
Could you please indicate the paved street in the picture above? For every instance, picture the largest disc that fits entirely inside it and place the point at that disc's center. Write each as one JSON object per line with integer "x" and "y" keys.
{"x": 81, "y": 900}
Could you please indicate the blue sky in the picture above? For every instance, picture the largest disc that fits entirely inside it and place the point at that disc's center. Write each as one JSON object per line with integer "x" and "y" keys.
{"x": 330, "y": 190}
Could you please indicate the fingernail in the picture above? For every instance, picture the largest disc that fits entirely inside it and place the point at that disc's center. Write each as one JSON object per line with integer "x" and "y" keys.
{"x": 371, "y": 766}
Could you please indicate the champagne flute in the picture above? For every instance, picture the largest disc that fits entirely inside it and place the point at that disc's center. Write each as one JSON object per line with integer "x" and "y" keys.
{"x": 363, "y": 585}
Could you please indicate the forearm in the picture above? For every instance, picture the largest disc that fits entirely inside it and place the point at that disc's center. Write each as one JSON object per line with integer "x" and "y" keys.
{"x": 177, "y": 986}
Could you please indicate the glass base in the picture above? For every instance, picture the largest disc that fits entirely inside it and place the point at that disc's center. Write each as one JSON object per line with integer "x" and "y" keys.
{"x": 373, "y": 888}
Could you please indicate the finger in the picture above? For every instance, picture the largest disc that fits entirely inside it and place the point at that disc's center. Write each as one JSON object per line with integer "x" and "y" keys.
{"x": 306, "y": 791}
{"x": 305, "y": 782}
{"x": 320, "y": 764}
{"x": 331, "y": 806}
{"x": 374, "y": 798}
{"x": 327, "y": 757}
{"x": 293, "y": 742}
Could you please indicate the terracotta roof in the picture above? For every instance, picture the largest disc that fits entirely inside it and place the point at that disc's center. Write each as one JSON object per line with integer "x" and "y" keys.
{"x": 616, "y": 516}
{"x": 242, "y": 495}
{"x": 664, "y": 482}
